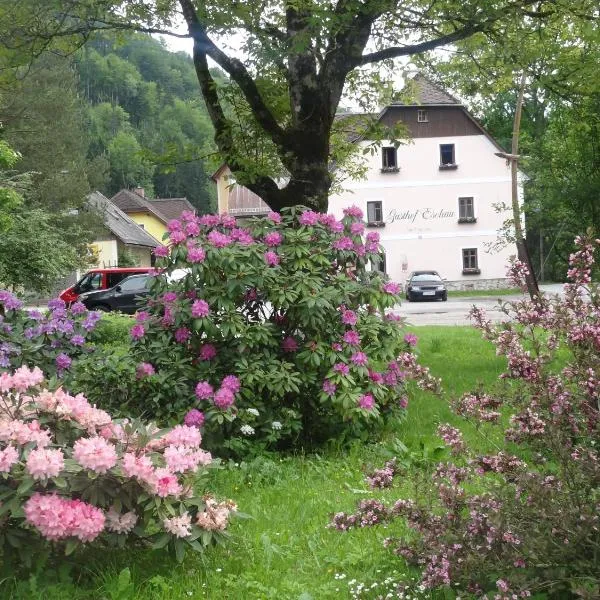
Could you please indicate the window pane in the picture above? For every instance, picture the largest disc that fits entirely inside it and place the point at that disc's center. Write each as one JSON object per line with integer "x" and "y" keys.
{"x": 374, "y": 212}
{"x": 470, "y": 258}
{"x": 389, "y": 156}
{"x": 114, "y": 278}
{"x": 447, "y": 154}
{"x": 133, "y": 283}
{"x": 466, "y": 208}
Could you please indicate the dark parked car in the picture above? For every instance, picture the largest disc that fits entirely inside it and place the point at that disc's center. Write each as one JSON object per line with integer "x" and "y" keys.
{"x": 422, "y": 285}
{"x": 126, "y": 296}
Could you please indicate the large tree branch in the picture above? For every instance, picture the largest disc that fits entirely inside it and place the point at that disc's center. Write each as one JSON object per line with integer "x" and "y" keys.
{"x": 236, "y": 70}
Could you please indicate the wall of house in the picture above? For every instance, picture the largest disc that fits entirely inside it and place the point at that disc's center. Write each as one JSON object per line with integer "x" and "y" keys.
{"x": 223, "y": 189}
{"x": 155, "y": 227}
{"x": 142, "y": 254}
{"x": 106, "y": 253}
{"x": 420, "y": 209}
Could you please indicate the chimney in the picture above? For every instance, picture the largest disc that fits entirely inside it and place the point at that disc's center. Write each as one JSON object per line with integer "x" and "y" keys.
{"x": 139, "y": 191}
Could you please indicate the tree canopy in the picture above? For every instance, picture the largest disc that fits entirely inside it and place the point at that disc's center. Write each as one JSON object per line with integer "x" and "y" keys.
{"x": 292, "y": 60}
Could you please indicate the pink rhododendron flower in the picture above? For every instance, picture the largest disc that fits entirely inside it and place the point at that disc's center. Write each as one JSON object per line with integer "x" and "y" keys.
{"x": 144, "y": 370}
{"x": 95, "y": 454}
{"x": 228, "y": 221}
{"x": 140, "y": 467}
{"x": 373, "y": 237}
{"x": 194, "y": 418}
{"x": 349, "y": 317}
{"x": 137, "y": 332}
{"x": 231, "y": 382}
{"x": 204, "y": 390}
{"x": 161, "y": 251}
{"x": 181, "y": 459}
{"x": 209, "y": 220}
{"x": 375, "y": 376}
{"x": 191, "y": 229}
{"x": 271, "y": 258}
{"x": 336, "y": 346}
{"x": 403, "y": 402}
{"x": 275, "y": 217}
{"x": 353, "y": 211}
{"x": 180, "y": 527}
{"x": 343, "y": 243}
{"x": 359, "y": 358}
{"x": 182, "y": 335}
{"x": 177, "y": 237}
{"x": 391, "y": 288}
{"x": 224, "y": 398}
{"x": 215, "y": 515}
{"x": 329, "y": 387}
{"x": 200, "y": 309}
{"x": 366, "y": 401}
{"x": 165, "y": 483}
{"x": 183, "y": 435}
{"x": 207, "y": 352}
{"x": 273, "y": 238}
{"x": 242, "y": 236}
{"x": 341, "y": 368}
{"x": 308, "y": 217}
{"x": 351, "y": 337}
{"x": 411, "y": 339}
{"x": 120, "y": 523}
{"x": 289, "y": 344}
{"x": 196, "y": 254}
{"x": 8, "y": 457}
{"x": 142, "y": 316}
{"x": 169, "y": 297}
{"x": 174, "y": 225}
{"x": 218, "y": 239}
{"x": 63, "y": 361}
{"x": 357, "y": 228}
{"x": 43, "y": 463}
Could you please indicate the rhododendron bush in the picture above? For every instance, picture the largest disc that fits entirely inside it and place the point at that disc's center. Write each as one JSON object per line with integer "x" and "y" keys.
{"x": 273, "y": 331}
{"x": 49, "y": 339}
{"x": 71, "y": 475}
{"x": 524, "y": 519}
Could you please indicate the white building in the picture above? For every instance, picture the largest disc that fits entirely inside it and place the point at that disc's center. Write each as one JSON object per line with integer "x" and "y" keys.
{"x": 434, "y": 200}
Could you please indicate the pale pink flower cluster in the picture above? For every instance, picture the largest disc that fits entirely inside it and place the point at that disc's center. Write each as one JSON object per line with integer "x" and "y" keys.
{"x": 95, "y": 453}
{"x": 183, "y": 435}
{"x": 215, "y": 515}
{"x": 22, "y": 433}
{"x": 120, "y": 523}
{"x": 181, "y": 459}
{"x": 43, "y": 463}
{"x": 21, "y": 380}
{"x": 57, "y": 518}
{"x": 180, "y": 527}
{"x": 8, "y": 457}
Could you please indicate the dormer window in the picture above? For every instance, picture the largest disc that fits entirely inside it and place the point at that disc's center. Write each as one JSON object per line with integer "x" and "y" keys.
{"x": 447, "y": 159}
{"x": 389, "y": 160}
{"x": 422, "y": 116}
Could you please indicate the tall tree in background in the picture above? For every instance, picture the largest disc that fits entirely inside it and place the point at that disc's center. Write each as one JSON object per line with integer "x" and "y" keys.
{"x": 298, "y": 57}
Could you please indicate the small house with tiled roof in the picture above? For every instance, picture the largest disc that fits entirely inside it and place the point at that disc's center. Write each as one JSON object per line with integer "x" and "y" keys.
{"x": 152, "y": 214}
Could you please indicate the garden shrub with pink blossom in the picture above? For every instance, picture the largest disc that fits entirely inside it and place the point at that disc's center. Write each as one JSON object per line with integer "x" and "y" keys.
{"x": 49, "y": 339}
{"x": 71, "y": 475}
{"x": 277, "y": 331}
{"x": 525, "y": 519}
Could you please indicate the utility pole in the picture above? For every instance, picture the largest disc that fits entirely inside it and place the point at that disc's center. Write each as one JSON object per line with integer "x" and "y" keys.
{"x": 513, "y": 160}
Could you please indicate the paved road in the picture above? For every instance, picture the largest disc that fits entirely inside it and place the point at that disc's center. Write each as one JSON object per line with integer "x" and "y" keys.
{"x": 455, "y": 310}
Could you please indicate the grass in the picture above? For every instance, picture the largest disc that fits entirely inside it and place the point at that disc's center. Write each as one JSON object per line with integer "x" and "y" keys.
{"x": 484, "y": 293}
{"x": 285, "y": 551}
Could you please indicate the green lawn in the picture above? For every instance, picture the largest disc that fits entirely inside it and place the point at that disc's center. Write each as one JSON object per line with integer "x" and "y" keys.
{"x": 285, "y": 551}
{"x": 485, "y": 293}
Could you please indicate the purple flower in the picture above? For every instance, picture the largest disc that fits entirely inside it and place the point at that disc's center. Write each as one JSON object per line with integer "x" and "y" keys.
{"x": 373, "y": 237}
{"x": 207, "y": 352}
{"x": 161, "y": 251}
{"x": 177, "y": 237}
{"x": 271, "y": 258}
{"x": 169, "y": 297}
{"x": 191, "y": 229}
{"x": 228, "y": 221}
{"x": 204, "y": 390}
{"x": 336, "y": 347}
{"x": 78, "y": 308}
{"x": 196, "y": 254}
{"x": 289, "y": 344}
{"x": 308, "y": 217}
{"x": 224, "y": 398}
{"x": 343, "y": 243}
{"x": 349, "y": 317}
{"x": 188, "y": 215}
{"x": 366, "y": 401}
{"x": 357, "y": 228}
{"x": 182, "y": 335}
{"x": 36, "y": 315}
{"x": 352, "y": 338}
{"x": 403, "y": 402}
{"x": 232, "y": 383}
{"x": 56, "y": 303}
{"x": 375, "y": 376}
{"x": 137, "y": 331}
{"x": 142, "y": 316}
{"x": 329, "y": 387}
{"x": 209, "y": 220}
{"x": 174, "y": 225}
{"x": 359, "y": 358}
{"x": 372, "y": 247}
{"x": 200, "y": 309}
{"x": 218, "y": 239}
{"x": 242, "y": 236}
{"x": 77, "y": 340}
{"x": 411, "y": 339}
{"x": 144, "y": 370}
{"x": 194, "y": 418}
{"x": 390, "y": 378}
{"x": 391, "y": 288}
{"x": 341, "y": 368}
{"x": 353, "y": 211}
{"x": 30, "y": 332}
{"x": 274, "y": 216}
{"x": 63, "y": 361}
{"x": 273, "y": 238}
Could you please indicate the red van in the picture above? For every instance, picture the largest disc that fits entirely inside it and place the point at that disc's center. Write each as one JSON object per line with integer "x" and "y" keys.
{"x": 100, "y": 279}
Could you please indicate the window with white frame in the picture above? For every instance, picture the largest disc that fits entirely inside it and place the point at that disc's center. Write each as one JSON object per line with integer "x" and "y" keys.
{"x": 470, "y": 261}
{"x": 422, "y": 116}
{"x": 466, "y": 209}
{"x": 375, "y": 213}
{"x": 447, "y": 156}
{"x": 389, "y": 159}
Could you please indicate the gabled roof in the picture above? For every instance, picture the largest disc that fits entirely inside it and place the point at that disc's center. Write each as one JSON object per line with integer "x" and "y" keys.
{"x": 171, "y": 208}
{"x": 119, "y": 224}
{"x": 425, "y": 92}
